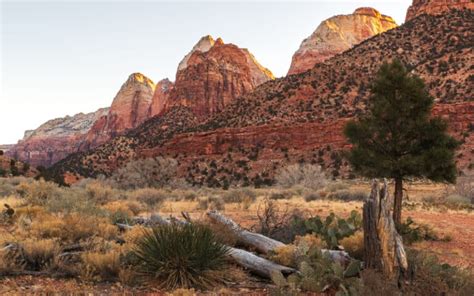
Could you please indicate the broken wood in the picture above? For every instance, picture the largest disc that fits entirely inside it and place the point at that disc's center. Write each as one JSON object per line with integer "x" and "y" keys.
{"x": 258, "y": 241}
{"x": 258, "y": 265}
{"x": 383, "y": 246}
{"x": 265, "y": 244}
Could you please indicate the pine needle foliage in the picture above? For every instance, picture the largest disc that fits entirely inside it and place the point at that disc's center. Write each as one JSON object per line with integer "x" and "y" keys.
{"x": 399, "y": 137}
{"x": 181, "y": 256}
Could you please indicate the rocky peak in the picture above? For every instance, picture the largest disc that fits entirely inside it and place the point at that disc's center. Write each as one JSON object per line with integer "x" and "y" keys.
{"x": 212, "y": 75}
{"x": 203, "y": 45}
{"x": 436, "y": 7}
{"x": 338, "y": 34}
{"x": 160, "y": 97}
{"x": 129, "y": 108}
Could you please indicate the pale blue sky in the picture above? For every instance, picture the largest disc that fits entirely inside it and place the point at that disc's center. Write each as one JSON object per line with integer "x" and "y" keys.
{"x": 61, "y": 58}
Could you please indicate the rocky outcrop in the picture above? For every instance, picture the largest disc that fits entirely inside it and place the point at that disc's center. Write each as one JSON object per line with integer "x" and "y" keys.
{"x": 436, "y": 7}
{"x": 338, "y": 34}
{"x": 212, "y": 76}
{"x": 55, "y": 139}
{"x": 160, "y": 97}
{"x": 130, "y": 108}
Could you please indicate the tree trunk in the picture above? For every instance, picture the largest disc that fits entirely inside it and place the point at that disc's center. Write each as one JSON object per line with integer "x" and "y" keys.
{"x": 383, "y": 247}
{"x": 397, "y": 204}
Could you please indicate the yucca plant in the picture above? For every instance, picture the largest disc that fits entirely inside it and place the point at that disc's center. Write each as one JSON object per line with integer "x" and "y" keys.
{"x": 181, "y": 256}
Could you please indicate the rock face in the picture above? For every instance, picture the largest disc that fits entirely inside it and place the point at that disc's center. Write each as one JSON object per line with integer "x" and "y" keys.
{"x": 160, "y": 97}
{"x": 55, "y": 139}
{"x": 436, "y": 7}
{"x": 130, "y": 108}
{"x": 338, "y": 34}
{"x": 212, "y": 75}
{"x": 300, "y": 118}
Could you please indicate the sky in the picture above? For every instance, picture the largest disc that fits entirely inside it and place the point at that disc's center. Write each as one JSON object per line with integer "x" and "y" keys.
{"x": 60, "y": 58}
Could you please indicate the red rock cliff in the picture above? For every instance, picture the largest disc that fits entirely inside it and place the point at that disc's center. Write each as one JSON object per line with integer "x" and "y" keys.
{"x": 55, "y": 139}
{"x": 338, "y": 34}
{"x": 129, "y": 109}
{"x": 213, "y": 75}
{"x": 436, "y": 6}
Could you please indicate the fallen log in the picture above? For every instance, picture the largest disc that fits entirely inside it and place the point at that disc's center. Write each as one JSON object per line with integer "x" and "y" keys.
{"x": 383, "y": 246}
{"x": 258, "y": 241}
{"x": 265, "y": 244}
{"x": 258, "y": 265}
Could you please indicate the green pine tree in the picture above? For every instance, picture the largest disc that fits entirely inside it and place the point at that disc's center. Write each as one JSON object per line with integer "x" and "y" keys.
{"x": 398, "y": 137}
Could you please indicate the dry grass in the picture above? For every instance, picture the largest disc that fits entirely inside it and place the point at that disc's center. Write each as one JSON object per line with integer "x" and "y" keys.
{"x": 98, "y": 266}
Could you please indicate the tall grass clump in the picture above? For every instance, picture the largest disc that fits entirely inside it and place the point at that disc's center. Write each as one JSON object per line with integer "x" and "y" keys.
{"x": 181, "y": 256}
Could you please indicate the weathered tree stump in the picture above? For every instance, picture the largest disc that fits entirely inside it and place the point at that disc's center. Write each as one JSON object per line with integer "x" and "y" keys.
{"x": 383, "y": 245}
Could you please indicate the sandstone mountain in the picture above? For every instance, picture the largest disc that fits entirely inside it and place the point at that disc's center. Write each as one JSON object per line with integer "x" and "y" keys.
{"x": 211, "y": 76}
{"x": 299, "y": 118}
{"x": 129, "y": 109}
{"x": 436, "y": 6}
{"x": 55, "y": 139}
{"x": 337, "y": 34}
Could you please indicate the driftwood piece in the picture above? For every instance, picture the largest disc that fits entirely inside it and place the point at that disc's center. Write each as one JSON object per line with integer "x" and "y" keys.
{"x": 383, "y": 245}
{"x": 265, "y": 244}
{"x": 258, "y": 265}
{"x": 258, "y": 241}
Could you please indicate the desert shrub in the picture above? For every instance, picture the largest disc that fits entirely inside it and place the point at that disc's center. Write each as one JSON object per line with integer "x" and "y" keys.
{"x": 311, "y": 196}
{"x": 465, "y": 187}
{"x": 430, "y": 277}
{"x": 354, "y": 245}
{"x": 156, "y": 172}
{"x": 456, "y": 199}
{"x": 277, "y": 195}
{"x": 306, "y": 175}
{"x": 72, "y": 200}
{"x": 38, "y": 254}
{"x": 347, "y": 195}
{"x": 97, "y": 266}
{"x": 414, "y": 232}
{"x": 181, "y": 256}
{"x": 38, "y": 192}
{"x": 335, "y": 186}
{"x": 239, "y": 195}
{"x": 8, "y": 262}
{"x": 278, "y": 223}
{"x": 151, "y": 197}
{"x": 332, "y": 229}
{"x": 211, "y": 203}
{"x": 318, "y": 273}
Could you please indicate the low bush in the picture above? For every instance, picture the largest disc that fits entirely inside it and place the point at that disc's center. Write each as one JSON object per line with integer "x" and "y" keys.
{"x": 306, "y": 175}
{"x": 181, "y": 256}
{"x": 239, "y": 195}
{"x": 97, "y": 266}
{"x": 37, "y": 254}
{"x": 311, "y": 196}
{"x": 347, "y": 195}
{"x": 211, "y": 203}
{"x": 152, "y": 198}
{"x": 414, "y": 232}
{"x": 354, "y": 245}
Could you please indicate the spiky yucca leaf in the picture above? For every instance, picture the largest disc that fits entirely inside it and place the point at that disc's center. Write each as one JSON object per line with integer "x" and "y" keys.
{"x": 181, "y": 256}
